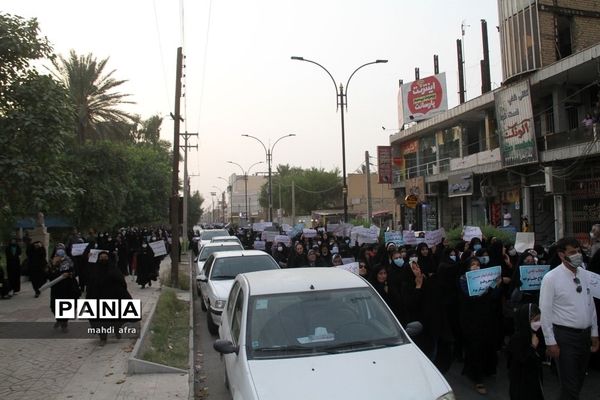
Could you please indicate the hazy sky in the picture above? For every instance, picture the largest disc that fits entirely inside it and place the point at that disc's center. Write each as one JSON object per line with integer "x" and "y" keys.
{"x": 240, "y": 79}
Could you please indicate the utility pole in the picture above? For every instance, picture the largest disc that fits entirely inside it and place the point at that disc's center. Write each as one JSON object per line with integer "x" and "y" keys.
{"x": 175, "y": 174}
{"x": 293, "y": 204}
{"x": 186, "y": 184}
{"x": 223, "y": 206}
{"x": 369, "y": 199}
{"x": 280, "y": 213}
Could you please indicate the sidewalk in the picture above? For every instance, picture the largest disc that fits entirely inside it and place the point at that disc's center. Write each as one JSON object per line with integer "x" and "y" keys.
{"x": 77, "y": 368}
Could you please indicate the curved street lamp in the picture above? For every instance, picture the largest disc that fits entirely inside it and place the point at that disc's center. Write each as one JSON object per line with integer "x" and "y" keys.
{"x": 245, "y": 173}
{"x": 342, "y": 102}
{"x": 269, "y": 155}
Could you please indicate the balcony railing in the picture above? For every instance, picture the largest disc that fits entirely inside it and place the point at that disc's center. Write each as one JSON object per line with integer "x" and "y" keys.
{"x": 427, "y": 169}
{"x": 572, "y": 137}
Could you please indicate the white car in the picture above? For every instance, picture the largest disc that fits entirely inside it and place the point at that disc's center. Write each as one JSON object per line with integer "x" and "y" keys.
{"x": 319, "y": 333}
{"x": 219, "y": 239}
{"x": 206, "y": 252}
{"x": 207, "y": 235}
{"x": 217, "y": 277}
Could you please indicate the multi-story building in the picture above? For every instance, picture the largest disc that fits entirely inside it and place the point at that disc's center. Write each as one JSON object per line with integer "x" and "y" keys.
{"x": 383, "y": 202}
{"x": 238, "y": 197}
{"x": 529, "y": 147}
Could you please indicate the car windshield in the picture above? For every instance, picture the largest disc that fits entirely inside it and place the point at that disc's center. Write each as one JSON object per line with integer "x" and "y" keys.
{"x": 226, "y": 239}
{"x": 229, "y": 267}
{"x": 316, "y": 323}
{"x": 208, "y": 250}
{"x": 208, "y": 235}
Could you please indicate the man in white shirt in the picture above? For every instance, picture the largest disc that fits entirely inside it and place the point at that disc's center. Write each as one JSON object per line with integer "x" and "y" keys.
{"x": 569, "y": 317}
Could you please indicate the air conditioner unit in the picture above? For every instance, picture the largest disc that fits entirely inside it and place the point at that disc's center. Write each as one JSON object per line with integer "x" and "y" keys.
{"x": 489, "y": 191}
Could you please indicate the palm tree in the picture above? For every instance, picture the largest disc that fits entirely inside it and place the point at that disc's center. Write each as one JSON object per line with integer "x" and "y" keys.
{"x": 91, "y": 90}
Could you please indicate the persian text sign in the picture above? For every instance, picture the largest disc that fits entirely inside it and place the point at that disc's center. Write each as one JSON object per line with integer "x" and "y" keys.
{"x": 394, "y": 237}
{"x": 480, "y": 280}
{"x": 515, "y": 125}
{"x": 424, "y": 98}
{"x": 384, "y": 164}
{"x": 532, "y": 275}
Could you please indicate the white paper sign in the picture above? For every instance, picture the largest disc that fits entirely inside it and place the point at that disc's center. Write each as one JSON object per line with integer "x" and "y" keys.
{"x": 93, "y": 256}
{"x": 78, "y": 248}
{"x": 352, "y": 267}
{"x": 259, "y": 245}
{"x": 524, "y": 241}
{"x": 409, "y": 238}
{"x": 595, "y": 284}
{"x": 309, "y": 233}
{"x": 394, "y": 237}
{"x": 285, "y": 239}
{"x": 332, "y": 227}
{"x": 269, "y": 236}
{"x": 286, "y": 228}
{"x": 158, "y": 248}
{"x": 470, "y": 232}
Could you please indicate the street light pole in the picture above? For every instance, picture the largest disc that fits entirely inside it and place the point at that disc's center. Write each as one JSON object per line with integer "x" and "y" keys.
{"x": 222, "y": 203}
{"x": 342, "y": 101}
{"x": 245, "y": 173}
{"x": 269, "y": 154}
{"x": 230, "y": 190}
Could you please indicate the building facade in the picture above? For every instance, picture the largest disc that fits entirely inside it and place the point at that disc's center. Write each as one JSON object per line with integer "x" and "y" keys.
{"x": 238, "y": 197}
{"x": 529, "y": 148}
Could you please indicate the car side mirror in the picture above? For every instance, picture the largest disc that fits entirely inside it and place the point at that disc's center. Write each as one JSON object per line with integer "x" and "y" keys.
{"x": 225, "y": 347}
{"x": 202, "y": 278}
{"x": 414, "y": 329}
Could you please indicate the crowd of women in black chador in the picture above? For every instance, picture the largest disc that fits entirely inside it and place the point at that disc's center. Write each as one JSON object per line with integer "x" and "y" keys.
{"x": 428, "y": 284}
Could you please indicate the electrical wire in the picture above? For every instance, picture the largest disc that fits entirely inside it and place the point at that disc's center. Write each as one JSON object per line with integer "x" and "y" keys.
{"x": 162, "y": 58}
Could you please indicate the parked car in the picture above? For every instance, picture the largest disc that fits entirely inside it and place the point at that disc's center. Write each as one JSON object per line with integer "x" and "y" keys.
{"x": 217, "y": 277}
{"x": 319, "y": 333}
{"x": 207, "y": 235}
{"x": 206, "y": 252}
{"x": 218, "y": 239}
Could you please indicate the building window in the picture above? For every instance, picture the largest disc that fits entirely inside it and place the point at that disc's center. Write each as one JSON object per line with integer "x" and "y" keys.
{"x": 573, "y": 117}
{"x": 563, "y": 37}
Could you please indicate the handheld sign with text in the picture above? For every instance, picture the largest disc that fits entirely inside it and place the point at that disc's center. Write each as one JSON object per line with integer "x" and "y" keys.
{"x": 409, "y": 238}
{"x": 434, "y": 238}
{"x": 480, "y": 280}
{"x": 93, "y": 256}
{"x": 394, "y": 237}
{"x": 524, "y": 241}
{"x": 158, "y": 248}
{"x": 352, "y": 267}
{"x": 285, "y": 239}
{"x": 78, "y": 249}
{"x": 259, "y": 245}
{"x": 595, "y": 284}
{"x": 532, "y": 275}
{"x": 470, "y": 232}
{"x": 309, "y": 233}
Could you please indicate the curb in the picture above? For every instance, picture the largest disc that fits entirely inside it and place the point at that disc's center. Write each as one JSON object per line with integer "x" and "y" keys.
{"x": 138, "y": 366}
{"x": 192, "y": 366}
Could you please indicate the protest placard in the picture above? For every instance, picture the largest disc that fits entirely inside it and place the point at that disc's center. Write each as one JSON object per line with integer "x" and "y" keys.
{"x": 348, "y": 260}
{"x": 309, "y": 233}
{"x": 285, "y": 239}
{"x": 480, "y": 280}
{"x": 367, "y": 235}
{"x": 470, "y": 232}
{"x": 595, "y": 284}
{"x": 259, "y": 245}
{"x": 78, "y": 248}
{"x": 524, "y": 241}
{"x": 93, "y": 256}
{"x": 394, "y": 237}
{"x": 286, "y": 228}
{"x": 409, "y": 238}
{"x": 158, "y": 248}
{"x": 434, "y": 238}
{"x": 352, "y": 267}
{"x": 270, "y": 236}
{"x": 532, "y": 275}
{"x": 343, "y": 230}
{"x": 332, "y": 227}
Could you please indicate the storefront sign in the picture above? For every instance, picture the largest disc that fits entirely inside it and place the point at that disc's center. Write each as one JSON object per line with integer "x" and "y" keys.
{"x": 416, "y": 187}
{"x": 460, "y": 185}
{"x": 424, "y": 98}
{"x": 515, "y": 125}
{"x": 384, "y": 164}
{"x": 409, "y": 147}
{"x": 411, "y": 201}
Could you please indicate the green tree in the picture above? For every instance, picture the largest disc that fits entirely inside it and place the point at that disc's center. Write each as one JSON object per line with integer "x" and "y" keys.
{"x": 315, "y": 189}
{"x": 35, "y": 126}
{"x": 195, "y": 208}
{"x": 93, "y": 96}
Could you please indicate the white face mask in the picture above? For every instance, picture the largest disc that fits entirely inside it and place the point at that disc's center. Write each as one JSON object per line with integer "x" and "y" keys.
{"x": 280, "y": 248}
{"x": 335, "y": 250}
{"x": 536, "y": 325}
{"x": 576, "y": 260}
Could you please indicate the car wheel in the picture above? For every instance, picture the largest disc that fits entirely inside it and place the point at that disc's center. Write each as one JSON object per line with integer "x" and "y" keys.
{"x": 212, "y": 327}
